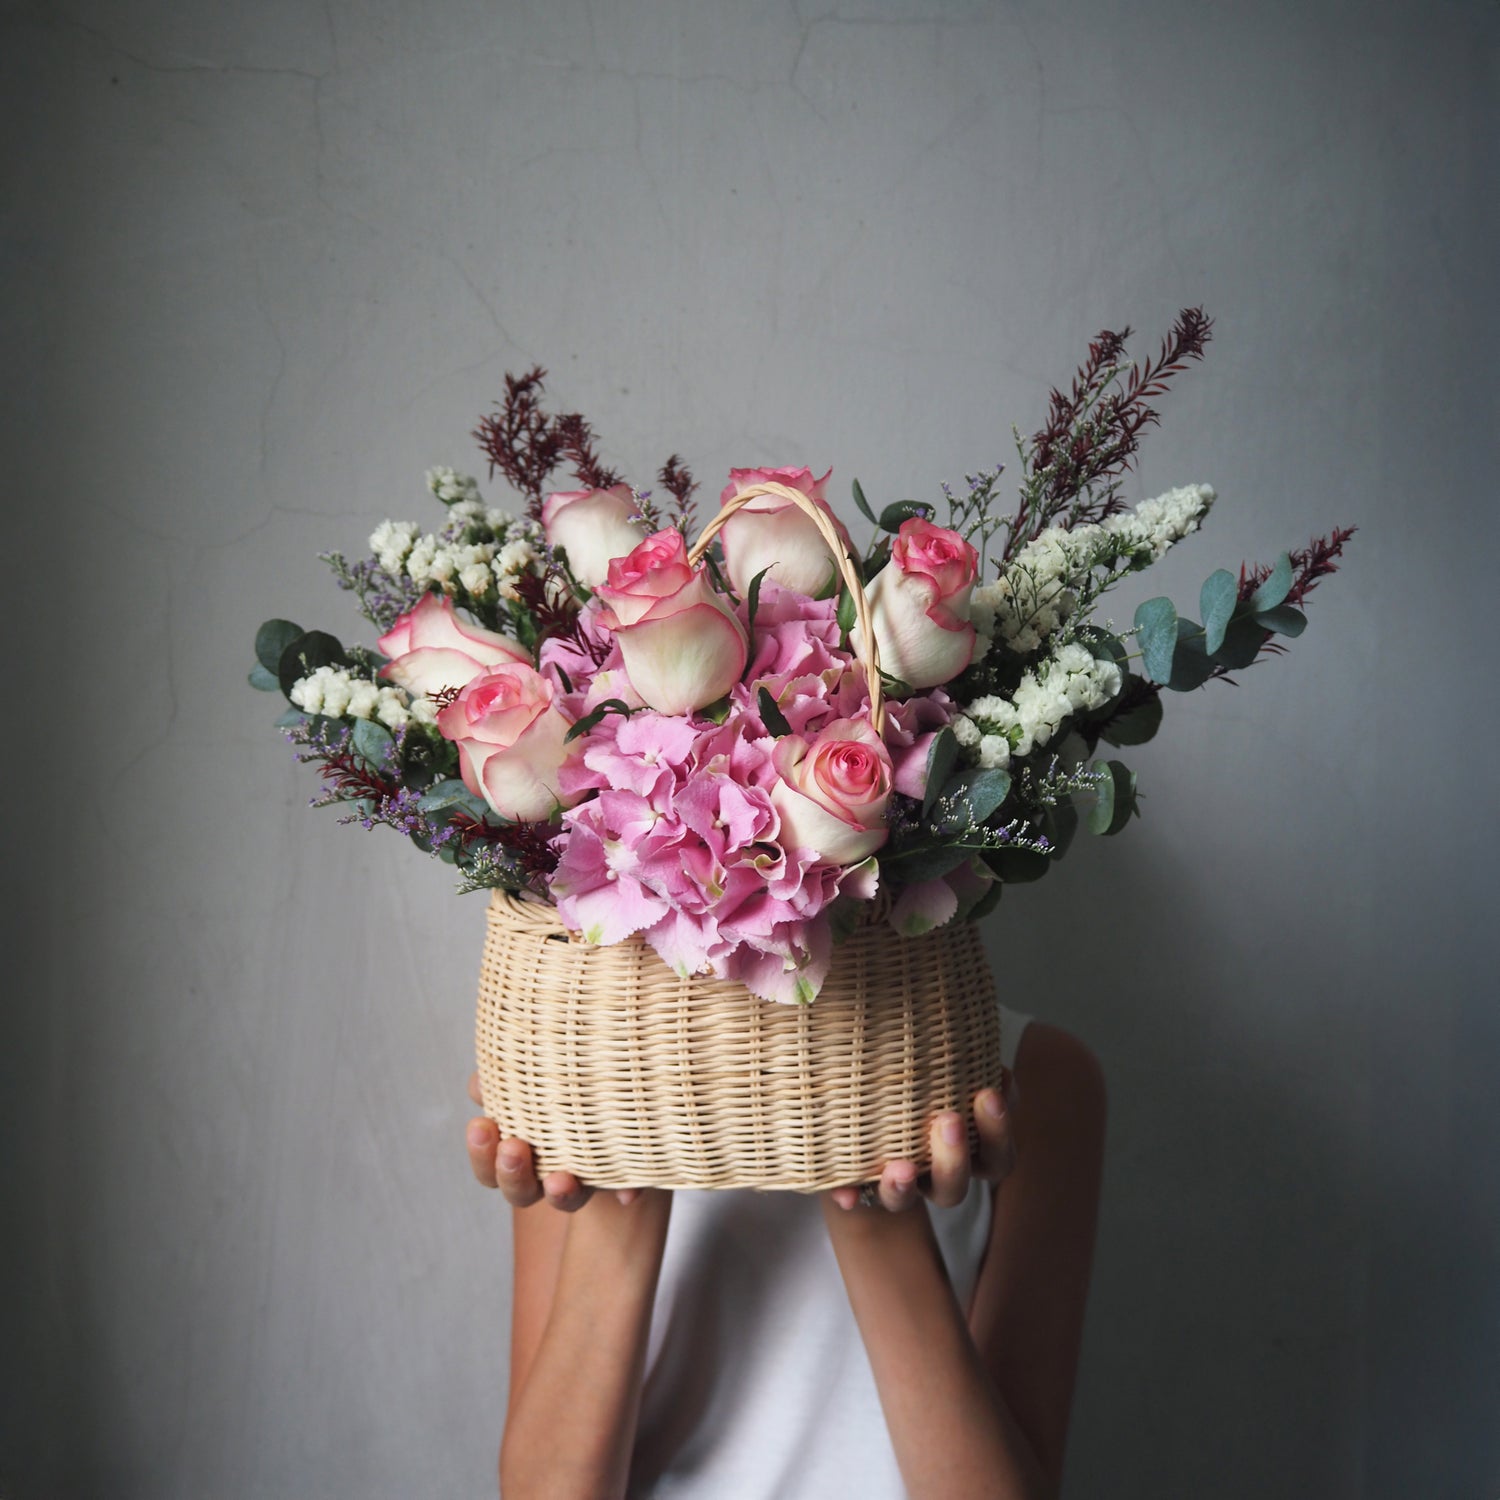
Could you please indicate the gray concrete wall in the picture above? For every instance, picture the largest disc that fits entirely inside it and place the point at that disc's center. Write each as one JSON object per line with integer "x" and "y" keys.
{"x": 264, "y": 264}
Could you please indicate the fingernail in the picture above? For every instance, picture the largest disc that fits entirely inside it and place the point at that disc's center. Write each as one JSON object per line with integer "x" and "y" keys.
{"x": 952, "y": 1129}
{"x": 477, "y": 1132}
{"x": 510, "y": 1159}
{"x": 992, "y": 1104}
{"x": 904, "y": 1179}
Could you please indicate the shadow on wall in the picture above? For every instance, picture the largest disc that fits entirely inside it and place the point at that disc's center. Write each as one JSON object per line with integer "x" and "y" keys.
{"x": 1246, "y": 1218}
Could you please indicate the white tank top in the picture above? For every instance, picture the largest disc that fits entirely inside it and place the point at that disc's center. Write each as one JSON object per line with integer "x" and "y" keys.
{"x": 757, "y": 1384}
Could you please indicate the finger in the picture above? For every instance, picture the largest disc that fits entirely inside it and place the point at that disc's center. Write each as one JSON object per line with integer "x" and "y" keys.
{"x": 564, "y": 1191}
{"x": 474, "y": 1093}
{"x": 950, "y": 1160}
{"x": 482, "y": 1137}
{"x": 997, "y": 1148}
{"x": 516, "y": 1174}
{"x": 898, "y": 1186}
{"x": 845, "y": 1197}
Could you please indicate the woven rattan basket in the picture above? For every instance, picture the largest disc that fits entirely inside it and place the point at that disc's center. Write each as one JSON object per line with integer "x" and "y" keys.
{"x": 619, "y": 1071}
{"x": 616, "y": 1069}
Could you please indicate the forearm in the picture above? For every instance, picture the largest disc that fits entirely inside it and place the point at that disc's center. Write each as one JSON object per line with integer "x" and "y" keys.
{"x": 571, "y": 1427}
{"x": 952, "y": 1432}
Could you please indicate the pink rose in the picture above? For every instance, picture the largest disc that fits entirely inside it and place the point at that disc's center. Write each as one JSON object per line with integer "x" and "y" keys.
{"x": 833, "y": 792}
{"x": 919, "y": 605}
{"x": 681, "y": 645}
{"x": 510, "y": 740}
{"x": 593, "y": 527}
{"x": 771, "y": 531}
{"x": 431, "y": 648}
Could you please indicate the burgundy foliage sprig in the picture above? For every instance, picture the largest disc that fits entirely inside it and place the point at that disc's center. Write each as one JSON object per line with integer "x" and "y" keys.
{"x": 576, "y": 437}
{"x": 677, "y": 479}
{"x": 1093, "y": 430}
{"x": 549, "y": 599}
{"x": 1316, "y": 560}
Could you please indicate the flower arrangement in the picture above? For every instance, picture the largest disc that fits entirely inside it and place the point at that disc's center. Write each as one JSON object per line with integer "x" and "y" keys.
{"x": 732, "y": 749}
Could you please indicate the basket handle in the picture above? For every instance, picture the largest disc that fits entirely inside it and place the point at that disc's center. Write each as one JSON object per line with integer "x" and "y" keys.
{"x": 870, "y": 655}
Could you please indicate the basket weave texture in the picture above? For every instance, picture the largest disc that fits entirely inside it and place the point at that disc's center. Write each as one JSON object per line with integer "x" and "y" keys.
{"x": 617, "y": 1069}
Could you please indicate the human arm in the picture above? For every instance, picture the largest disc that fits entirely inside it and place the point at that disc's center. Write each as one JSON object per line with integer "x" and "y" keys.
{"x": 976, "y": 1400}
{"x": 584, "y": 1283}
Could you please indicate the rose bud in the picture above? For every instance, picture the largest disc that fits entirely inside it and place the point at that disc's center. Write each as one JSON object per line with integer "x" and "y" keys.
{"x": 833, "y": 791}
{"x": 510, "y": 740}
{"x": 593, "y": 527}
{"x": 771, "y": 532}
{"x": 431, "y": 648}
{"x": 919, "y": 605}
{"x": 681, "y": 646}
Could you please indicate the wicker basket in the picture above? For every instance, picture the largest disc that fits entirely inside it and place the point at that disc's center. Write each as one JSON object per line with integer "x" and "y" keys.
{"x": 618, "y": 1070}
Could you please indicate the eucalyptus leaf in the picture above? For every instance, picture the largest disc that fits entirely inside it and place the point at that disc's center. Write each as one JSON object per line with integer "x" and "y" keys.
{"x": 971, "y": 798}
{"x": 1191, "y": 666}
{"x": 1216, "y": 600}
{"x": 1284, "y": 619}
{"x": 1017, "y": 866}
{"x": 926, "y": 863}
{"x": 987, "y": 902}
{"x": 372, "y": 742}
{"x": 770, "y": 713}
{"x": 1115, "y": 799}
{"x": 893, "y": 517}
{"x": 1136, "y": 725}
{"x": 303, "y": 656}
{"x": 264, "y": 680}
{"x": 444, "y": 795}
{"x": 1103, "y": 645}
{"x": 291, "y": 719}
{"x": 1156, "y": 633}
{"x": 1060, "y": 824}
{"x": 1242, "y": 643}
{"x": 863, "y": 504}
{"x": 942, "y": 756}
{"x": 1274, "y": 587}
{"x": 271, "y": 640}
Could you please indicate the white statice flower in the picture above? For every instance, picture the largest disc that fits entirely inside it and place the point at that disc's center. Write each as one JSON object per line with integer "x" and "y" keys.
{"x": 1069, "y": 682}
{"x": 337, "y": 693}
{"x": 422, "y": 710}
{"x": 465, "y": 512}
{"x": 476, "y": 578}
{"x": 1154, "y": 525}
{"x": 1038, "y": 590}
{"x": 364, "y": 697}
{"x": 391, "y": 708}
{"x": 451, "y": 487}
{"x": 390, "y": 542}
{"x": 419, "y": 560}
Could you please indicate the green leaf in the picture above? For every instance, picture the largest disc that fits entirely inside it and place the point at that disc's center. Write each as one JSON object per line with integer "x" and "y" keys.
{"x": 303, "y": 656}
{"x": 863, "y": 504}
{"x": 1114, "y": 798}
{"x": 291, "y": 718}
{"x": 1136, "y": 725}
{"x": 771, "y": 715}
{"x": 752, "y": 598}
{"x": 1191, "y": 666}
{"x": 893, "y": 517}
{"x": 831, "y": 584}
{"x": 1216, "y": 600}
{"x": 372, "y": 742}
{"x": 942, "y": 756}
{"x": 972, "y": 797}
{"x": 264, "y": 680}
{"x": 1242, "y": 643}
{"x": 589, "y": 720}
{"x": 845, "y": 615}
{"x": 1284, "y": 619}
{"x": 271, "y": 640}
{"x": 1156, "y": 632}
{"x": 1274, "y": 587}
